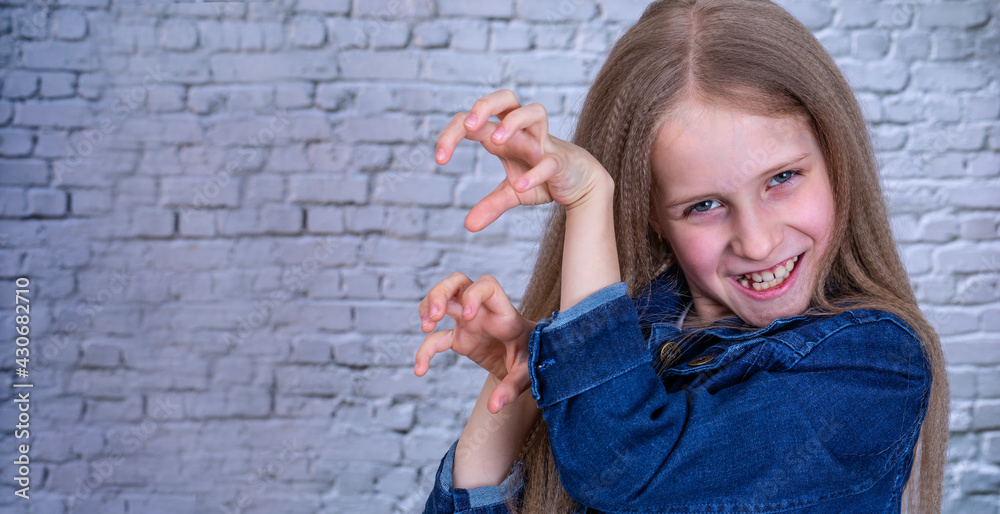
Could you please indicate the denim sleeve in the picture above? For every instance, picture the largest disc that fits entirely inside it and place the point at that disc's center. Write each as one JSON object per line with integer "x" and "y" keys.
{"x": 825, "y": 424}
{"x": 577, "y": 361}
{"x": 478, "y": 500}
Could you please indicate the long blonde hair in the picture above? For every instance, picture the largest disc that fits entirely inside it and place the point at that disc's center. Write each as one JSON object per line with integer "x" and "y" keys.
{"x": 757, "y": 57}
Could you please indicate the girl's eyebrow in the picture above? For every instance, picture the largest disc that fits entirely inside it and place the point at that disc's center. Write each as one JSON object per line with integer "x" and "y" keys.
{"x": 770, "y": 171}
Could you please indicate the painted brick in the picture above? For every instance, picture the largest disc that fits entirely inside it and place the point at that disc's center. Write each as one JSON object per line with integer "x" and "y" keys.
{"x": 293, "y": 95}
{"x": 13, "y": 204}
{"x": 814, "y": 15}
{"x": 500, "y": 9}
{"x": 69, "y": 24}
{"x": 389, "y": 9}
{"x": 15, "y": 142}
{"x": 380, "y": 129}
{"x": 553, "y": 70}
{"x": 554, "y": 36}
{"x": 22, "y": 172}
{"x": 947, "y": 77}
{"x": 6, "y": 112}
{"x": 469, "y": 35}
{"x": 281, "y": 219}
{"x": 56, "y": 85}
{"x": 324, "y": 189}
{"x": 884, "y": 77}
{"x": 324, "y": 6}
{"x": 963, "y": 15}
{"x": 558, "y": 10}
{"x": 627, "y": 12}
{"x": 431, "y": 34}
{"x": 46, "y": 202}
{"x": 870, "y": 45}
{"x": 317, "y": 65}
{"x": 307, "y": 31}
{"x": 913, "y": 45}
{"x": 857, "y": 14}
{"x": 396, "y": 65}
{"x": 429, "y": 190}
{"x": 511, "y": 36}
{"x": 20, "y": 84}
{"x": 58, "y": 114}
{"x": 325, "y": 220}
{"x": 262, "y": 188}
{"x": 57, "y": 55}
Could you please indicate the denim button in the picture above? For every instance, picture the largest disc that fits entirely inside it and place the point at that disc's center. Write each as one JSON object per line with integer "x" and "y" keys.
{"x": 698, "y": 361}
{"x": 669, "y": 353}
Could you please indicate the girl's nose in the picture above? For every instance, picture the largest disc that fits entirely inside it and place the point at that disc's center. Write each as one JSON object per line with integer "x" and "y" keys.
{"x": 757, "y": 236}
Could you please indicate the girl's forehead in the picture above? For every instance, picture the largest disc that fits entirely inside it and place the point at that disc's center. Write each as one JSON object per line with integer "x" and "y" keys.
{"x": 721, "y": 124}
{"x": 699, "y": 137}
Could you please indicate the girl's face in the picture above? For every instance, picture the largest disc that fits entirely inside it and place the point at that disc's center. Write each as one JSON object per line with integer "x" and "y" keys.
{"x": 746, "y": 205}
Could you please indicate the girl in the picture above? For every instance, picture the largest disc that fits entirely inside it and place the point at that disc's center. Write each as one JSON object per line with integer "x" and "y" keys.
{"x": 730, "y": 327}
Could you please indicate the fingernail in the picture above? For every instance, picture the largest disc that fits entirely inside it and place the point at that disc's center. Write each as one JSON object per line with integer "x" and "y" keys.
{"x": 498, "y": 133}
{"x": 434, "y": 310}
{"x": 503, "y": 401}
{"x": 441, "y": 154}
{"x": 467, "y": 311}
{"x": 471, "y": 120}
{"x": 522, "y": 184}
{"x": 424, "y": 320}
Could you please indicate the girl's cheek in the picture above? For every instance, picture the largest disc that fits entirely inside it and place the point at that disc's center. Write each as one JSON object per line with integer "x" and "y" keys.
{"x": 698, "y": 250}
{"x": 817, "y": 217}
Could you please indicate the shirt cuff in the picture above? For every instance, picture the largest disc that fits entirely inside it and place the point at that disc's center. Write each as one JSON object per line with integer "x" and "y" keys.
{"x": 590, "y": 343}
{"x": 584, "y": 306}
{"x": 477, "y": 497}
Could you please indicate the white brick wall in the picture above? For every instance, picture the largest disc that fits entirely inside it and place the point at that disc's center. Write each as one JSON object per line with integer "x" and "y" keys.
{"x": 229, "y": 211}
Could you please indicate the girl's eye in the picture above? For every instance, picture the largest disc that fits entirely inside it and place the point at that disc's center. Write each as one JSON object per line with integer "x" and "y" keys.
{"x": 781, "y": 178}
{"x": 705, "y": 206}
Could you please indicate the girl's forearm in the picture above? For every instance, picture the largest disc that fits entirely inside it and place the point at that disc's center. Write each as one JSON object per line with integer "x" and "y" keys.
{"x": 490, "y": 443}
{"x": 590, "y": 254}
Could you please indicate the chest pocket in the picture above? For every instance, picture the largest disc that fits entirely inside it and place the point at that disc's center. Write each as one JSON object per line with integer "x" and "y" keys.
{"x": 705, "y": 360}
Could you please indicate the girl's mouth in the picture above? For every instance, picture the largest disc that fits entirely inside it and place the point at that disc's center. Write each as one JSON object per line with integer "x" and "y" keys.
{"x": 766, "y": 279}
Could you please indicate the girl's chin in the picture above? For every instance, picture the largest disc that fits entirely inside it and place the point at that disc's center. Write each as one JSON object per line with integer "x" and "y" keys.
{"x": 762, "y": 315}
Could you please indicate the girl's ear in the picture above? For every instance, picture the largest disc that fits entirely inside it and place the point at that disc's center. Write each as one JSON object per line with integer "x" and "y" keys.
{"x": 656, "y": 227}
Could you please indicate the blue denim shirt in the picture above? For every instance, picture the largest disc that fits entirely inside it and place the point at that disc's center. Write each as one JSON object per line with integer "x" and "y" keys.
{"x": 813, "y": 413}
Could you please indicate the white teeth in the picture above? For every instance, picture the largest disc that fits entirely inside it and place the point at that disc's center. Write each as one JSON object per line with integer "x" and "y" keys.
{"x": 766, "y": 279}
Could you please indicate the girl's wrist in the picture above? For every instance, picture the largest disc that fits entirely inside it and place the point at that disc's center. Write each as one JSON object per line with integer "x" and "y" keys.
{"x": 601, "y": 192}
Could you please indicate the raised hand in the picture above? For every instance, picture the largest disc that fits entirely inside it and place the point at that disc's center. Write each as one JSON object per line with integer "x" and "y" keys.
{"x": 540, "y": 168}
{"x": 488, "y": 330}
